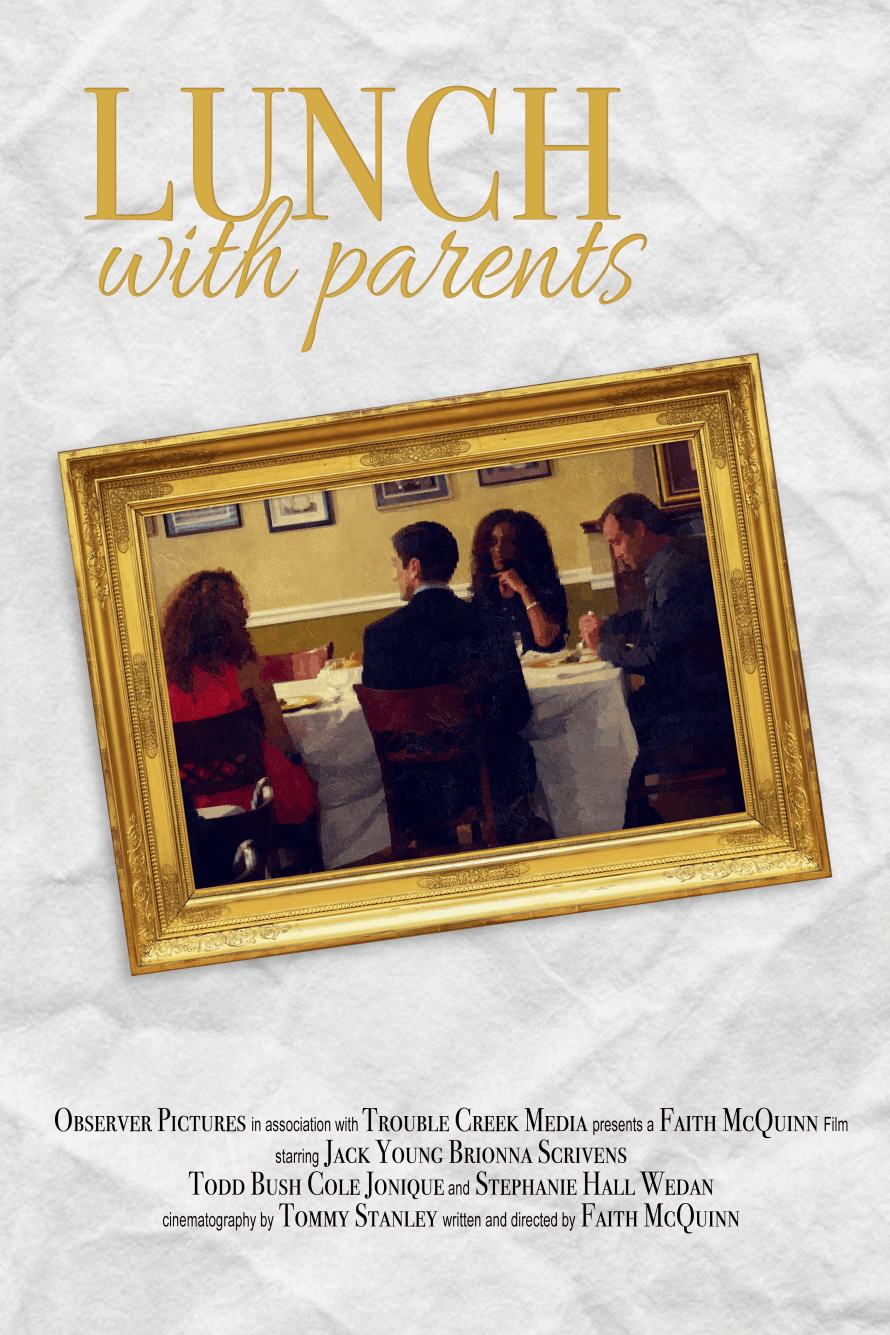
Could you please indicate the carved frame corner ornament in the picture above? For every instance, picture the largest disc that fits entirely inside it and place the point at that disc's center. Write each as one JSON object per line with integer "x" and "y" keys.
{"x": 120, "y": 496}
{"x": 769, "y": 808}
{"x": 803, "y": 853}
{"x": 173, "y": 893}
{"x": 108, "y": 492}
{"x": 711, "y": 411}
{"x": 771, "y": 831}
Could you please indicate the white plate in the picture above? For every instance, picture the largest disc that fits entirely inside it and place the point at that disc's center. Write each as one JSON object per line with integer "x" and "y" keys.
{"x": 289, "y": 692}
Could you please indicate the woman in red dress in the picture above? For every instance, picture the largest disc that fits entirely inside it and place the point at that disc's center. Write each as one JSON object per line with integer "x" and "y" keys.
{"x": 212, "y": 669}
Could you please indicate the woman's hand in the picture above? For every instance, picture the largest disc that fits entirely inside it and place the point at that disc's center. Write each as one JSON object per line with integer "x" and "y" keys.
{"x": 544, "y": 629}
{"x": 510, "y": 583}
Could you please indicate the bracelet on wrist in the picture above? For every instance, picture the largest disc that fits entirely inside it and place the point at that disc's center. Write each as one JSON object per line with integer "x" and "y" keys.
{"x": 528, "y": 606}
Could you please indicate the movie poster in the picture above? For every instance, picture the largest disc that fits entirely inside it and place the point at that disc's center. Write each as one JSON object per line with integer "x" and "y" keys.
{"x": 665, "y": 1117}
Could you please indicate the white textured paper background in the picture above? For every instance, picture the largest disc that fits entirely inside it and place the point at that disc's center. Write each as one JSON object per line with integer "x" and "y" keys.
{"x": 746, "y": 144}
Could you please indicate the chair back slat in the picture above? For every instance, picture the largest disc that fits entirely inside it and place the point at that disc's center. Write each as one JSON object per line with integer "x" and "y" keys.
{"x": 428, "y": 726}
{"x": 219, "y": 754}
{"x": 424, "y": 710}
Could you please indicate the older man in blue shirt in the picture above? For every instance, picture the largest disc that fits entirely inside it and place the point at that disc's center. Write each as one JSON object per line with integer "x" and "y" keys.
{"x": 681, "y": 713}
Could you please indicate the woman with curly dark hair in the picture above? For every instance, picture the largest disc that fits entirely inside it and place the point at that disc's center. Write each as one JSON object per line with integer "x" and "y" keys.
{"x": 514, "y": 575}
{"x": 213, "y": 670}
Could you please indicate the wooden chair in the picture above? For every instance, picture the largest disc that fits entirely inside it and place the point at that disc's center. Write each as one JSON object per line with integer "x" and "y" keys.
{"x": 230, "y": 846}
{"x": 427, "y": 728}
{"x": 693, "y": 779}
{"x": 295, "y": 850}
{"x": 219, "y": 755}
{"x": 692, "y": 795}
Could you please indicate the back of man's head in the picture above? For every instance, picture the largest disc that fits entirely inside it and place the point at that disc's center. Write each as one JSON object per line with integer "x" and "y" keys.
{"x": 635, "y": 508}
{"x": 432, "y": 545}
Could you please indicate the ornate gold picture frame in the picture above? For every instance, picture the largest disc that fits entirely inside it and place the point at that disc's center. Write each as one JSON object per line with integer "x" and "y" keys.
{"x": 111, "y": 492}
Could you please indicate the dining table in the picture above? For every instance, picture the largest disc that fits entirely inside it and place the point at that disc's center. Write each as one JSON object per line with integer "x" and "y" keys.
{"x": 580, "y": 732}
{"x": 584, "y": 744}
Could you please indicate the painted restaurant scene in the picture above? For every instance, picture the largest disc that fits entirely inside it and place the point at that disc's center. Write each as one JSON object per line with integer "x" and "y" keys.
{"x": 473, "y": 660}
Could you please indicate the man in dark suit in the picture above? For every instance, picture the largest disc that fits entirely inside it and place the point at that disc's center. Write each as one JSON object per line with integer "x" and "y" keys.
{"x": 681, "y": 713}
{"x": 437, "y": 638}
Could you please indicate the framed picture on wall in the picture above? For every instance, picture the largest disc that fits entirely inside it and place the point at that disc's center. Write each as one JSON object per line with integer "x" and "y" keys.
{"x": 307, "y": 509}
{"x": 494, "y": 477}
{"x": 411, "y": 491}
{"x": 677, "y": 474}
{"x": 185, "y": 523}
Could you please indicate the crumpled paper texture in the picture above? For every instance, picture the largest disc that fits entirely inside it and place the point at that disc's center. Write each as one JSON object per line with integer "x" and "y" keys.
{"x": 745, "y": 144}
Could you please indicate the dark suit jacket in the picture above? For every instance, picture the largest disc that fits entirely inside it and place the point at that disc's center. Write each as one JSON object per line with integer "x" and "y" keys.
{"x": 436, "y": 638}
{"x": 676, "y": 648}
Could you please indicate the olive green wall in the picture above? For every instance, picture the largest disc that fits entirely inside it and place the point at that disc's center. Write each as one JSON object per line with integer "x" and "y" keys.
{"x": 346, "y": 631}
{"x": 294, "y": 636}
{"x": 351, "y": 557}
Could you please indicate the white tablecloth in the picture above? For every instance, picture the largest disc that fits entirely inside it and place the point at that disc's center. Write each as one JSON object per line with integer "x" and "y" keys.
{"x": 584, "y": 746}
{"x": 338, "y": 751}
{"x": 580, "y": 732}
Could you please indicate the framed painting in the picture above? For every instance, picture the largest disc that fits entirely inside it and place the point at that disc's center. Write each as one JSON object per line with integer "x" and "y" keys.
{"x": 308, "y": 509}
{"x": 737, "y": 807}
{"x": 202, "y": 519}
{"x": 410, "y": 491}
{"x": 677, "y": 472}
{"x": 494, "y": 477}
